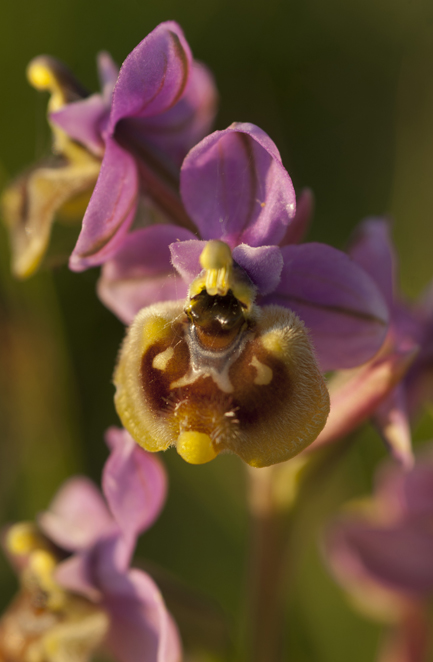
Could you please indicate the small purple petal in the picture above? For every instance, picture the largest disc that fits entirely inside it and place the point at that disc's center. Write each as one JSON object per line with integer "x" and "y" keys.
{"x": 141, "y": 272}
{"x": 108, "y": 72}
{"x": 141, "y": 627}
{"x": 298, "y": 228}
{"x": 372, "y": 249}
{"x": 84, "y": 121}
{"x": 185, "y": 257}
{"x": 235, "y": 187}
{"x": 263, "y": 265}
{"x": 337, "y": 300}
{"x": 134, "y": 484}
{"x": 154, "y": 75}
{"x": 392, "y": 422}
{"x": 77, "y": 516}
{"x": 110, "y": 212}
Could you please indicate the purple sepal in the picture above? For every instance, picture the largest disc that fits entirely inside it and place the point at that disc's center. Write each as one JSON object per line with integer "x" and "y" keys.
{"x": 236, "y": 189}
{"x": 110, "y": 211}
{"x": 141, "y": 273}
{"x": 339, "y": 303}
{"x": 178, "y": 129}
{"x": 154, "y": 75}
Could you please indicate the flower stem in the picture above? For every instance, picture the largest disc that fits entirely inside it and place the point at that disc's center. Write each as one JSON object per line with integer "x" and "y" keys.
{"x": 268, "y": 551}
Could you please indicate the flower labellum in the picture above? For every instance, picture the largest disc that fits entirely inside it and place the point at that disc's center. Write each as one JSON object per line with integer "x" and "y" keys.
{"x": 220, "y": 373}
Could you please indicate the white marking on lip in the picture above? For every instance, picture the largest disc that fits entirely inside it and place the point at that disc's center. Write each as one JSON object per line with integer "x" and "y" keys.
{"x": 264, "y": 372}
{"x": 161, "y": 360}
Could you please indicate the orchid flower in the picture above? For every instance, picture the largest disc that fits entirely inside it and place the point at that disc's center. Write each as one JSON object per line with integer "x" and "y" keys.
{"x": 78, "y": 593}
{"x": 381, "y": 552}
{"x": 233, "y": 369}
{"x": 130, "y": 142}
{"x": 236, "y": 189}
{"x": 378, "y": 389}
{"x": 163, "y": 103}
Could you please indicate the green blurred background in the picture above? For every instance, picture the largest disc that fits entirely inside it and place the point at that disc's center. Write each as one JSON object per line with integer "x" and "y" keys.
{"x": 345, "y": 89}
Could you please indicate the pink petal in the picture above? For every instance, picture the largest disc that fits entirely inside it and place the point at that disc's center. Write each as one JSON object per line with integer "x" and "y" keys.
{"x": 110, "y": 211}
{"x": 77, "y": 516}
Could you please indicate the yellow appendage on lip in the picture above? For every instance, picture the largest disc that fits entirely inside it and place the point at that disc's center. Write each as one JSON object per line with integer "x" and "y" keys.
{"x": 195, "y": 447}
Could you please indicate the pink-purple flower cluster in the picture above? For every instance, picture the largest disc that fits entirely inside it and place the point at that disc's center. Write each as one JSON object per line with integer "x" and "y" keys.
{"x": 78, "y": 591}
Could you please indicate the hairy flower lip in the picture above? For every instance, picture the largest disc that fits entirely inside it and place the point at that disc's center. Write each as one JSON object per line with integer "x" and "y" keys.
{"x": 211, "y": 392}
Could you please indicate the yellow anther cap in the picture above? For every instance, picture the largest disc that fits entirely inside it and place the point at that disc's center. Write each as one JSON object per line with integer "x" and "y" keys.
{"x": 217, "y": 259}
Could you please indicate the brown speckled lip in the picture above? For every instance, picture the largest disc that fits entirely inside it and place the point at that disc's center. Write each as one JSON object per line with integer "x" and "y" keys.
{"x": 201, "y": 405}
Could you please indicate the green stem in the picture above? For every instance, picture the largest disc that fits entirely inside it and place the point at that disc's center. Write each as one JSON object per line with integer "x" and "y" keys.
{"x": 268, "y": 547}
